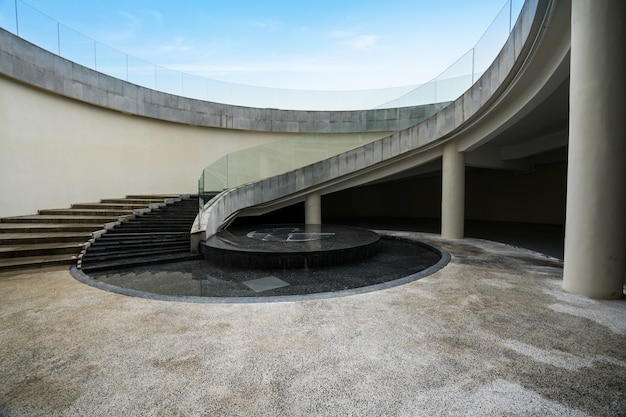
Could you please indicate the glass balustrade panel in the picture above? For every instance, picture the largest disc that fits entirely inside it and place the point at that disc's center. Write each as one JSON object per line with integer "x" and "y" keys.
{"x": 36, "y": 27}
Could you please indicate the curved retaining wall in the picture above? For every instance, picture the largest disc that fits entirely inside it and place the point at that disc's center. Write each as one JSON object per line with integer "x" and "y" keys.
{"x": 30, "y": 64}
{"x": 70, "y": 134}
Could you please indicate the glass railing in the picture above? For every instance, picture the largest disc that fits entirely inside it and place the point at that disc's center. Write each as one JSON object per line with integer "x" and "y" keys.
{"x": 18, "y": 17}
{"x": 460, "y": 76}
{"x": 275, "y": 158}
{"x": 272, "y": 159}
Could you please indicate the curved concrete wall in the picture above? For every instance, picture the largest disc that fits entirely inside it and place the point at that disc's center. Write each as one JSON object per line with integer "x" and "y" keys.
{"x": 56, "y": 151}
{"x": 30, "y": 64}
{"x": 70, "y": 134}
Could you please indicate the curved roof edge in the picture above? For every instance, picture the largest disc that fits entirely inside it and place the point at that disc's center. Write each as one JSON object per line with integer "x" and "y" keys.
{"x": 32, "y": 65}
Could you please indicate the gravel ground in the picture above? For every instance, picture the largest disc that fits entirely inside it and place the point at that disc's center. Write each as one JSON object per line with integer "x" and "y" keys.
{"x": 490, "y": 334}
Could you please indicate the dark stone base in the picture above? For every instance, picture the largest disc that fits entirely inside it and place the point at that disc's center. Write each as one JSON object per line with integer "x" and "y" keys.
{"x": 290, "y": 246}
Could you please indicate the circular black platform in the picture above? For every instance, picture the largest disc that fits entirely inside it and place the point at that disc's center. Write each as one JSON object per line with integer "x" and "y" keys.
{"x": 398, "y": 261}
{"x": 290, "y": 246}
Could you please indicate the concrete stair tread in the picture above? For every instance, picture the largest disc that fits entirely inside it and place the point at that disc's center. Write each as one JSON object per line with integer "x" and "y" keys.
{"x": 85, "y": 212}
{"x": 146, "y": 201}
{"x": 37, "y": 261}
{"x": 41, "y": 227}
{"x": 8, "y": 248}
{"x": 153, "y": 196}
{"x": 9, "y": 238}
{"x": 108, "y": 206}
{"x": 61, "y": 219}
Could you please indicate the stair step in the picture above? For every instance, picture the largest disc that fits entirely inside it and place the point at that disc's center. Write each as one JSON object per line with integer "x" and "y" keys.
{"x": 86, "y": 212}
{"x": 142, "y": 260}
{"x": 152, "y": 225}
{"x": 109, "y": 206}
{"x": 167, "y": 216}
{"x": 48, "y": 227}
{"x": 162, "y": 212}
{"x": 32, "y": 238}
{"x": 123, "y": 235}
{"x": 157, "y": 236}
{"x": 145, "y": 201}
{"x": 153, "y": 196}
{"x": 156, "y": 229}
{"x": 59, "y": 219}
{"x": 56, "y": 236}
{"x": 114, "y": 248}
{"x": 90, "y": 259}
{"x": 12, "y": 264}
{"x": 108, "y": 243}
{"x": 42, "y": 249}
{"x": 149, "y": 237}
{"x": 190, "y": 212}
{"x": 160, "y": 219}
{"x": 139, "y": 240}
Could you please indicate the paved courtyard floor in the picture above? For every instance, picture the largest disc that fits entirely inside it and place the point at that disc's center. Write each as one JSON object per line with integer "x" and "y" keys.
{"x": 490, "y": 334}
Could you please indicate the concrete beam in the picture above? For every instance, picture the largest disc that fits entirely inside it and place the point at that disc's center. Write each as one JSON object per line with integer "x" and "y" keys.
{"x": 489, "y": 156}
{"x": 530, "y": 147}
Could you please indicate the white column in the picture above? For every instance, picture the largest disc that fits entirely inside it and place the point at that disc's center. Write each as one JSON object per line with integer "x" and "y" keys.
{"x": 313, "y": 208}
{"x": 452, "y": 192}
{"x": 595, "y": 230}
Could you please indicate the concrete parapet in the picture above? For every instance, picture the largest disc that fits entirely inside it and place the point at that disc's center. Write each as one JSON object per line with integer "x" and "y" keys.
{"x": 32, "y": 65}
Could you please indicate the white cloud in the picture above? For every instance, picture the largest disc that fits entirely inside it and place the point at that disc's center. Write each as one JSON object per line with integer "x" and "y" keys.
{"x": 178, "y": 44}
{"x": 209, "y": 70}
{"x": 133, "y": 22}
{"x": 355, "y": 40}
{"x": 364, "y": 43}
{"x": 156, "y": 16}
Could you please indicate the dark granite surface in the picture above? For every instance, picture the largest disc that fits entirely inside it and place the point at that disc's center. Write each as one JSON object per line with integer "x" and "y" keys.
{"x": 398, "y": 259}
{"x": 291, "y": 238}
{"x": 290, "y": 246}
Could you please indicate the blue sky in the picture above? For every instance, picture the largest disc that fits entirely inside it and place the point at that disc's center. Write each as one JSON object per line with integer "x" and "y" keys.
{"x": 318, "y": 45}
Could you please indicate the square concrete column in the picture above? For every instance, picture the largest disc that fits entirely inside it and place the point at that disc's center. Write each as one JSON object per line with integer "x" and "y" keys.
{"x": 452, "y": 192}
{"x": 595, "y": 229}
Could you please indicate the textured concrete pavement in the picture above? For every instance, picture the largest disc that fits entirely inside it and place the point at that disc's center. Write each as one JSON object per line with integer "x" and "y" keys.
{"x": 490, "y": 334}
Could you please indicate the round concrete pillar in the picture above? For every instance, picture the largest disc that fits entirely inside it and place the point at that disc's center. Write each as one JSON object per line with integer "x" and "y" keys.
{"x": 313, "y": 208}
{"x": 452, "y": 192}
{"x": 595, "y": 230}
